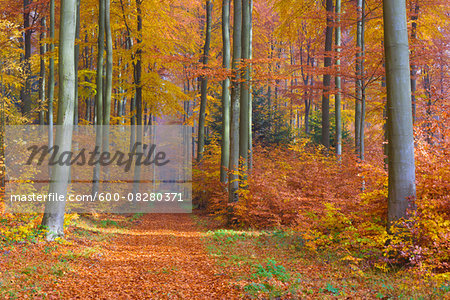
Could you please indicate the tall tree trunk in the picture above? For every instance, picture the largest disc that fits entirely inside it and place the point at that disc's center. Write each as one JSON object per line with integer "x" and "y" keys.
{"x": 100, "y": 60}
{"x": 204, "y": 84}
{"x": 250, "y": 98}
{"x": 401, "y": 184}
{"x": 51, "y": 76}
{"x": 99, "y": 95}
{"x": 358, "y": 86}
{"x": 414, "y": 17}
{"x": 337, "y": 97}
{"x": 233, "y": 178}
{"x": 138, "y": 65}
{"x": 327, "y": 76}
{"x": 2, "y": 131}
{"x": 225, "y": 153}
{"x": 245, "y": 87}
{"x": 42, "y": 74}
{"x": 108, "y": 83}
{"x": 363, "y": 84}
{"x": 26, "y": 93}
{"x": 138, "y": 101}
{"x": 53, "y": 219}
{"x": 109, "y": 66}
{"x": 77, "y": 58}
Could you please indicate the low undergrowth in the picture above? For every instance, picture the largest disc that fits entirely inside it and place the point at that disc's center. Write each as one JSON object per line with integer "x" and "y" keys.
{"x": 274, "y": 264}
{"x": 340, "y": 205}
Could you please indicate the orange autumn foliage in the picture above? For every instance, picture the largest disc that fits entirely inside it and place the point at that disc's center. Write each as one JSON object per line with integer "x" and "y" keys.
{"x": 321, "y": 197}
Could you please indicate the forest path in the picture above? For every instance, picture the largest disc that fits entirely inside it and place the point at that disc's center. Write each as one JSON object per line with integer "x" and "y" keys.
{"x": 162, "y": 256}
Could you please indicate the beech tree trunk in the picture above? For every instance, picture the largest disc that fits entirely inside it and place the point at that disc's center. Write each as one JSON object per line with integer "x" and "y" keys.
{"x": 244, "y": 126}
{"x": 77, "y": 58}
{"x": 42, "y": 74}
{"x": 53, "y": 219}
{"x": 358, "y": 87}
{"x": 233, "y": 178}
{"x": 401, "y": 185}
{"x": 414, "y": 17}
{"x": 26, "y": 90}
{"x": 337, "y": 96}
{"x": 99, "y": 95}
{"x": 51, "y": 75}
{"x": 204, "y": 84}
{"x": 250, "y": 98}
{"x": 109, "y": 66}
{"x": 225, "y": 154}
{"x": 138, "y": 100}
{"x": 327, "y": 76}
{"x": 363, "y": 84}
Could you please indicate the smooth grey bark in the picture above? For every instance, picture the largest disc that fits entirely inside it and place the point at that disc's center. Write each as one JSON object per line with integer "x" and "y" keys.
{"x": 363, "y": 84}
{"x": 225, "y": 153}
{"x": 99, "y": 95}
{"x": 204, "y": 84}
{"x": 137, "y": 80}
{"x": 109, "y": 66}
{"x": 138, "y": 65}
{"x": 244, "y": 126}
{"x": 414, "y": 17}
{"x": 77, "y": 58}
{"x": 2, "y": 131}
{"x": 100, "y": 60}
{"x": 233, "y": 178}
{"x": 26, "y": 90}
{"x": 107, "y": 84}
{"x": 337, "y": 80}
{"x": 42, "y": 47}
{"x": 51, "y": 76}
{"x": 250, "y": 98}
{"x": 358, "y": 86}
{"x": 327, "y": 76}
{"x": 401, "y": 183}
{"x": 132, "y": 100}
{"x": 53, "y": 219}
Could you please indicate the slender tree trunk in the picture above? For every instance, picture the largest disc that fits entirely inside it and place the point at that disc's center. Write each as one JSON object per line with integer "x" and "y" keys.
{"x": 137, "y": 80}
{"x": 233, "y": 178}
{"x": 362, "y": 80}
{"x": 100, "y": 60}
{"x": 327, "y": 76}
{"x": 77, "y": 58}
{"x": 99, "y": 95}
{"x": 358, "y": 92}
{"x": 245, "y": 87}
{"x": 337, "y": 97}
{"x": 109, "y": 66}
{"x": 53, "y": 219}
{"x": 108, "y": 84}
{"x": 307, "y": 109}
{"x": 2, "y": 131}
{"x": 250, "y": 98}
{"x": 204, "y": 83}
{"x": 225, "y": 154}
{"x": 138, "y": 65}
{"x": 414, "y": 17}
{"x": 401, "y": 185}
{"x": 51, "y": 76}
{"x": 42, "y": 74}
{"x": 26, "y": 93}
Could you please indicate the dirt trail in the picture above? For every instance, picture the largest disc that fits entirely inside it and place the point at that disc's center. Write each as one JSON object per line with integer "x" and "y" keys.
{"x": 162, "y": 257}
